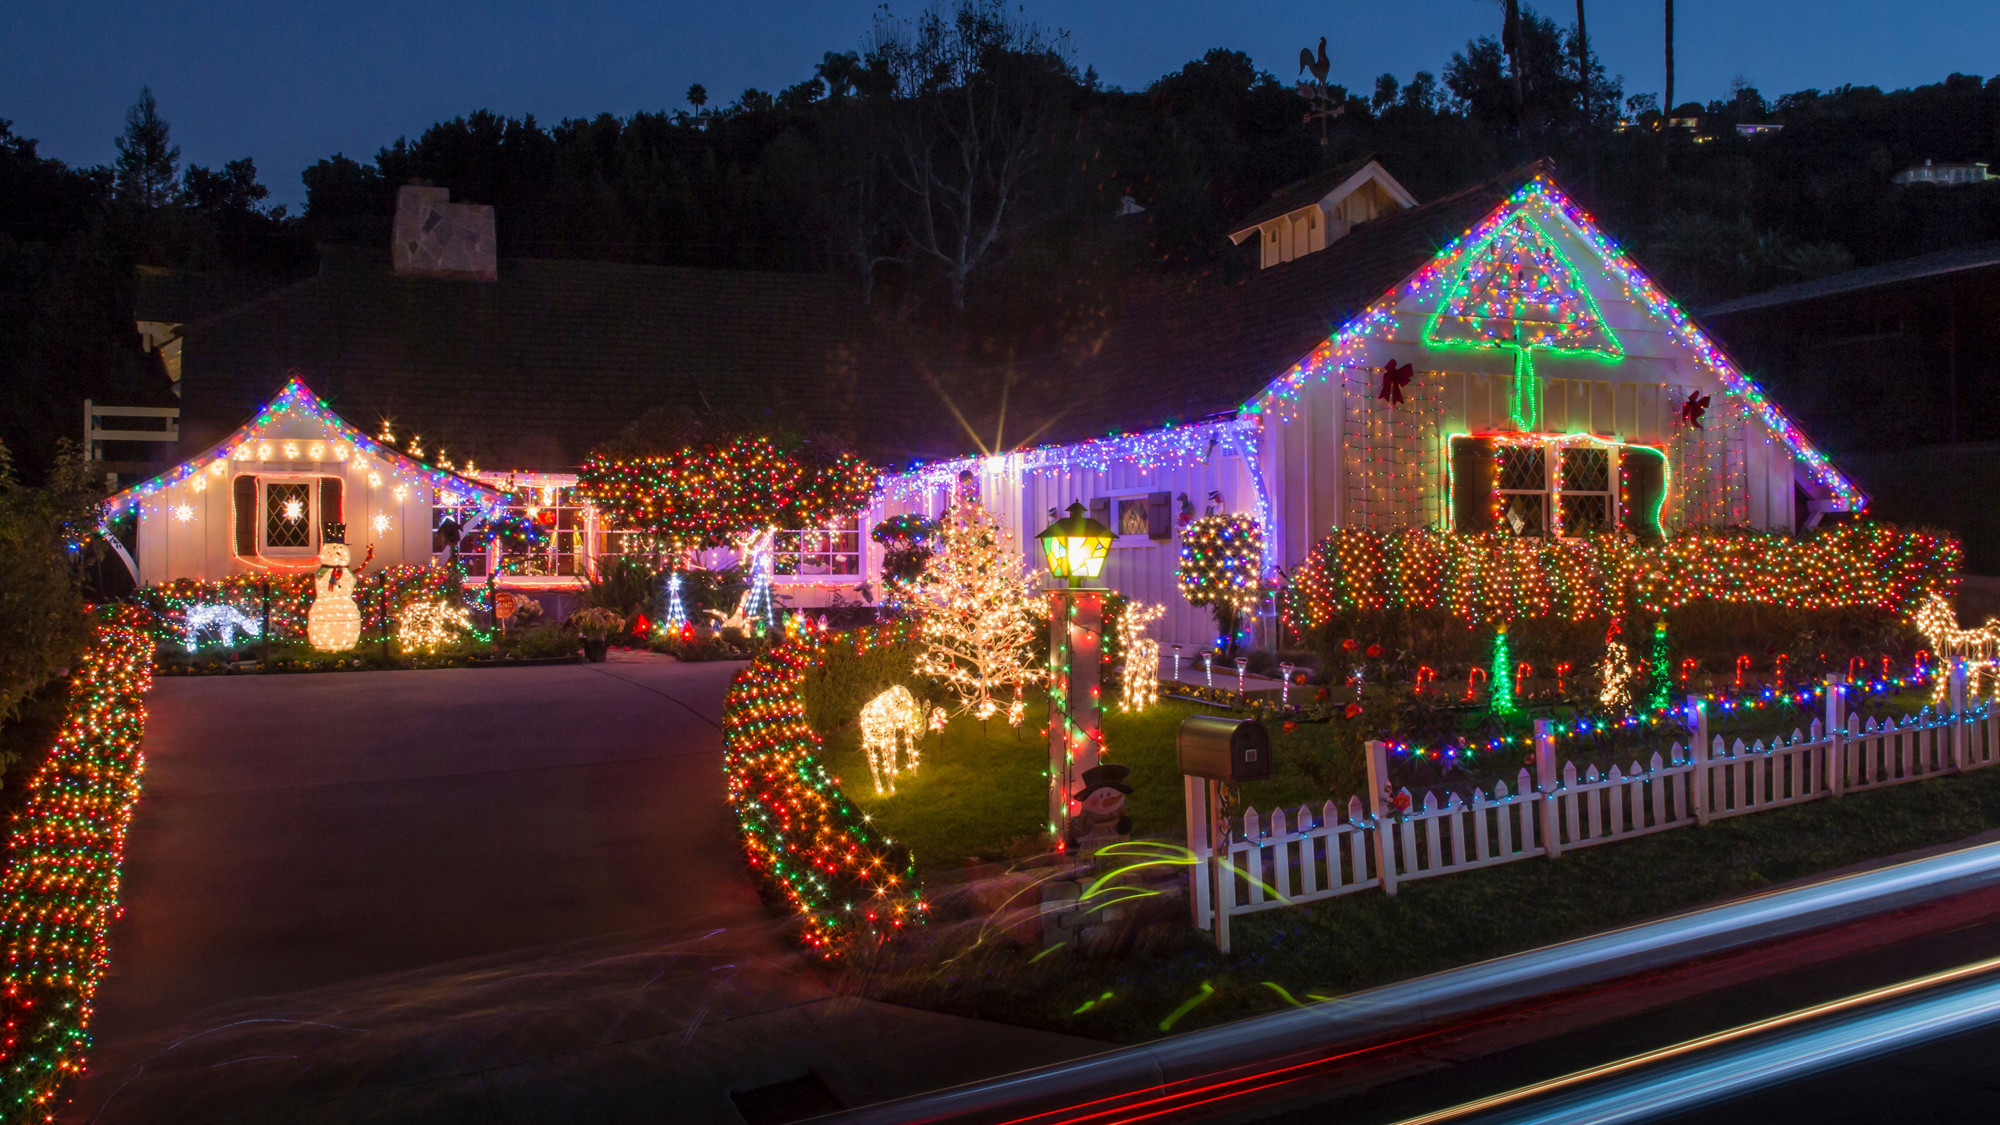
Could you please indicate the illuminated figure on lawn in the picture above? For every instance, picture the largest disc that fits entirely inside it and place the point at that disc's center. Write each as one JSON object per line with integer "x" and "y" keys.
{"x": 891, "y": 722}
{"x": 333, "y": 624}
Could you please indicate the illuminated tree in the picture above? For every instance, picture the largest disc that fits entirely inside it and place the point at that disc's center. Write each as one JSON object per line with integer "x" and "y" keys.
{"x": 1220, "y": 560}
{"x": 975, "y": 603}
{"x": 1516, "y": 291}
{"x": 712, "y": 494}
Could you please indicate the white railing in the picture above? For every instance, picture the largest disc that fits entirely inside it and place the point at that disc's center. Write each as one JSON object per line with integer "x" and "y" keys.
{"x": 1285, "y": 859}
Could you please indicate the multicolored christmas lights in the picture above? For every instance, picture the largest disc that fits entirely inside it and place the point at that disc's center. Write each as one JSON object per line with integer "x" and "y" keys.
{"x": 65, "y": 851}
{"x": 1500, "y": 690}
{"x": 1546, "y": 205}
{"x": 1221, "y": 564}
{"x": 1516, "y": 290}
{"x": 804, "y": 840}
{"x": 1497, "y": 577}
{"x": 167, "y": 605}
{"x": 976, "y": 605}
{"x": 255, "y": 441}
{"x": 707, "y": 496}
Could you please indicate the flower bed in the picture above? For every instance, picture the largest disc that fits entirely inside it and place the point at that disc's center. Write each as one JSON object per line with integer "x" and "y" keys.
{"x": 805, "y": 841}
{"x": 64, "y": 852}
{"x": 291, "y": 596}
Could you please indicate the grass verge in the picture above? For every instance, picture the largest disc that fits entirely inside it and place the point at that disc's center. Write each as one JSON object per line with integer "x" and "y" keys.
{"x": 1293, "y": 954}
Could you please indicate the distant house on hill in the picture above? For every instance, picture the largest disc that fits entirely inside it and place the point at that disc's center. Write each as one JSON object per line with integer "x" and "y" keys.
{"x": 1318, "y": 211}
{"x": 1487, "y": 362}
{"x": 1943, "y": 175}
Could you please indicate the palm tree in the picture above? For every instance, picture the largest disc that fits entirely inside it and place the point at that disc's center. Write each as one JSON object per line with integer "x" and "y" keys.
{"x": 1583, "y": 79}
{"x": 1667, "y": 102}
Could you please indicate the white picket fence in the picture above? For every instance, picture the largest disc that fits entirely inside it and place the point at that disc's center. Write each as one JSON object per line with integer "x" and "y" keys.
{"x": 1262, "y": 861}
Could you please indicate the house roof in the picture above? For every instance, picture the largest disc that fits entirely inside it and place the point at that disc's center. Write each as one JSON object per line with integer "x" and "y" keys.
{"x": 1181, "y": 353}
{"x": 1304, "y": 193}
{"x": 1919, "y": 268}
{"x": 180, "y": 296}
{"x": 295, "y": 396}
{"x": 556, "y": 357}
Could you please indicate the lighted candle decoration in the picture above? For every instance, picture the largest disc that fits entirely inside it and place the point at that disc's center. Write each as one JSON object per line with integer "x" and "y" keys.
{"x": 1242, "y": 668}
{"x": 1285, "y": 685}
{"x": 1208, "y": 667}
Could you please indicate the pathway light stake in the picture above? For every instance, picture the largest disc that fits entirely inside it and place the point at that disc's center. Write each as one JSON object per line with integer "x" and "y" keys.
{"x": 1075, "y": 548}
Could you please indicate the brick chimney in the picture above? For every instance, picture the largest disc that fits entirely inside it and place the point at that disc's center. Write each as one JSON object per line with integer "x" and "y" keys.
{"x": 438, "y": 238}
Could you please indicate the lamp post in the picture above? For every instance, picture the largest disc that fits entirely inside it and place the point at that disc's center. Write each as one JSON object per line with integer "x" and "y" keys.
{"x": 1074, "y": 547}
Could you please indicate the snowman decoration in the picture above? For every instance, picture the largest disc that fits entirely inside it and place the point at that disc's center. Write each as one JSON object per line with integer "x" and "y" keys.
{"x": 333, "y": 624}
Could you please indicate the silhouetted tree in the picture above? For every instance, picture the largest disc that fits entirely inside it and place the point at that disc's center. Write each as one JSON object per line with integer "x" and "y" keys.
{"x": 147, "y": 159}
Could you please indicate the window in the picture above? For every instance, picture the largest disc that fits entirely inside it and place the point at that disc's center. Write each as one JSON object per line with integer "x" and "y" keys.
{"x": 1523, "y": 488}
{"x": 1586, "y": 489}
{"x": 542, "y": 532}
{"x": 288, "y": 516}
{"x": 830, "y": 551}
{"x": 1132, "y": 515}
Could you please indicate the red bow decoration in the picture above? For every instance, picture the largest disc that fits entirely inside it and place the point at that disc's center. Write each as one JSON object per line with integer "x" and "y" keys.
{"x": 1694, "y": 408}
{"x": 1395, "y": 376}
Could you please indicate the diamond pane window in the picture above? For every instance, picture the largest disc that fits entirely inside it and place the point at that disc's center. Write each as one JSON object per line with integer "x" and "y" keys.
{"x": 1586, "y": 469}
{"x": 1523, "y": 468}
{"x": 288, "y": 516}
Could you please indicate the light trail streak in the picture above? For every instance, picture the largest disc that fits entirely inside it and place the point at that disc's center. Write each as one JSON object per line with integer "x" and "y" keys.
{"x": 1752, "y": 1065}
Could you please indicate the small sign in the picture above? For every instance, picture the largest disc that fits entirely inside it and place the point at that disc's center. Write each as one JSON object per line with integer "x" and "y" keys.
{"x": 504, "y": 605}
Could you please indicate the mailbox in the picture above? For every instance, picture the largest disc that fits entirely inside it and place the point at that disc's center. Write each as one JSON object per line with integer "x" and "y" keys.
{"x": 1224, "y": 749}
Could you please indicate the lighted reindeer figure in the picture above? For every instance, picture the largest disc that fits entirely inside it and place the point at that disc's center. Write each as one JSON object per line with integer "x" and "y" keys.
{"x": 1142, "y": 657}
{"x": 1980, "y": 647}
{"x": 893, "y": 721}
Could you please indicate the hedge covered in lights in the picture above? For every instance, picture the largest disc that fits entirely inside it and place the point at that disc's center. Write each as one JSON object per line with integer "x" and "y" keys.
{"x": 805, "y": 841}
{"x": 1497, "y": 577}
{"x": 64, "y": 850}
{"x": 167, "y": 603}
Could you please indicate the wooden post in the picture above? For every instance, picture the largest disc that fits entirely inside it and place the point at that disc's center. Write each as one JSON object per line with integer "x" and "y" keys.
{"x": 1697, "y": 721}
{"x": 382, "y": 612}
{"x": 1547, "y": 786}
{"x": 1958, "y": 718}
{"x": 1222, "y": 881}
{"x": 264, "y": 665}
{"x": 1194, "y": 796}
{"x": 1836, "y": 734}
{"x": 1380, "y": 810}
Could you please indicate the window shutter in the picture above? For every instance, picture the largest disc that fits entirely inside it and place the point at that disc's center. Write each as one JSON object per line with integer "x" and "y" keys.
{"x": 1159, "y": 515}
{"x": 243, "y": 495}
{"x": 1644, "y": 474}
{"x": 1472, "y": 484}
{"x": 1100, "y": 510}
{"x": 330, "y": 510}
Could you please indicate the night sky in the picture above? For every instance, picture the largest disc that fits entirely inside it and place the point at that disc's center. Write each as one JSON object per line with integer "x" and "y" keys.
{"x": 287, "y": 84}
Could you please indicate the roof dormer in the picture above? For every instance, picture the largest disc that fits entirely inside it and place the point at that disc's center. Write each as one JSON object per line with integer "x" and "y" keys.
{"x": 1318, "y": 211}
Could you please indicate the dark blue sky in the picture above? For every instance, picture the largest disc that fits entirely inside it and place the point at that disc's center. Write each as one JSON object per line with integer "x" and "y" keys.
{"x": 290, "y": 83}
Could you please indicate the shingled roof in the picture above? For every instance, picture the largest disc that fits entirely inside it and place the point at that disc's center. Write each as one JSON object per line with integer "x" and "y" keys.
{"x": 1181, "y": 354}
{"x": 1298, "y": 194}
{"x": 534, "y": 370}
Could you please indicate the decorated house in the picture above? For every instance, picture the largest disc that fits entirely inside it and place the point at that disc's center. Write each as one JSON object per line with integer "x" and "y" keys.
{"x": 1488, "y": 361}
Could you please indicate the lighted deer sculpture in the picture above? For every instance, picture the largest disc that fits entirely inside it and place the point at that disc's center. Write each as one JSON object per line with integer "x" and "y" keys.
{"x": 892, "y": 722}
{"x": 1979, "y": 648}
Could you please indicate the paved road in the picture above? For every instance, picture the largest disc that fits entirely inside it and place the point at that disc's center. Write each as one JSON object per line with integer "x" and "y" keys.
{"x": 479, "y": 895}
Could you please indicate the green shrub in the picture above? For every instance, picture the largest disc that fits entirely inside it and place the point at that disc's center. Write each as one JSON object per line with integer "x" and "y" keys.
{"x": 43, "y": 628}
{"x": 541, "y": 641}
{"x": 841, "y": 684}
{"x": 623, "y": 584}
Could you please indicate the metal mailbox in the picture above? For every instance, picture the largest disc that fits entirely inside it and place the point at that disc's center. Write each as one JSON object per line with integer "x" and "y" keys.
{"x": 1224, "y": 749}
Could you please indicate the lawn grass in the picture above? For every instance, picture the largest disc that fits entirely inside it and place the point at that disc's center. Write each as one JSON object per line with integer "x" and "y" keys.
{"x": 980, "y": 792}
{"x": 1339, "y": 945}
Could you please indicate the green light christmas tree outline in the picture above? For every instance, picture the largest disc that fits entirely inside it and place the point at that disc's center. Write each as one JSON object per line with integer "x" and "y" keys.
{"x": 1584, "y": 333}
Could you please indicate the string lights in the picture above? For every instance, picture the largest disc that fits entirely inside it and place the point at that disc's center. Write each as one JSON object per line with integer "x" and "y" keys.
{"x": 167, "y": 605}
{"x": 295, "y": 403}
{"x": 65, "y": 850}
{"x": 976, "y": 603}
{"x": 803, "y": 838}
{"x": 1500, "y": 693}
{"x": 702, "y": 497}
{"x": 1141, "y": 679}
{"x": 429, "y": 626}
{"x": 1502, "y": 577}
{"x": 1220, "y": 567}
{"x": 1348, "y": 350}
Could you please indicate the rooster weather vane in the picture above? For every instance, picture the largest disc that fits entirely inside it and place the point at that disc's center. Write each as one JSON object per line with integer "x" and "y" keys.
{"x": 1318, "y": 95}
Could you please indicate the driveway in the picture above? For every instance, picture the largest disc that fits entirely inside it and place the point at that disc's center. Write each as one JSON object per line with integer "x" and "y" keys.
{"x": 471, "y": 894}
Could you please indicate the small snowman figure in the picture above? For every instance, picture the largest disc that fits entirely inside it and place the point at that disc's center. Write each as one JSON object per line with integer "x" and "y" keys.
{"x": 333, "y": 624}
{"x": 1102, "y": 819}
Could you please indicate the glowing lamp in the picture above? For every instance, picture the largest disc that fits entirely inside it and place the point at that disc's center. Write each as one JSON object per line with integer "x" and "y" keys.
{"x": 1075, "y": 546}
